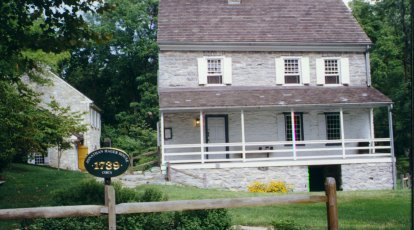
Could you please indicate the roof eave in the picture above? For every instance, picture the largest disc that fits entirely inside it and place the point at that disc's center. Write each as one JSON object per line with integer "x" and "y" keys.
{"x": 304, "y": 106}
{"x": 264, "y": 46}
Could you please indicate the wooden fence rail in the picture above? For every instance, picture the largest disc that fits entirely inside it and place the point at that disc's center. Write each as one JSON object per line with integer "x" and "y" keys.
{"x": 111, "y": 209}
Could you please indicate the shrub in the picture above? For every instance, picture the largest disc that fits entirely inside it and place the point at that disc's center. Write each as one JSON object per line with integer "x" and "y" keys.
{"x": 217, "y": 219}
{"x": 92, "y": 192}
{"x": 272, "y": 186}
{"x": 286, "y": 225}
{"x": 277, "y": 186}
{"x": 257, "y": 186}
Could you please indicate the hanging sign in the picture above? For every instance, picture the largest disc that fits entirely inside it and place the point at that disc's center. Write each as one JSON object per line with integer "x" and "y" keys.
{"x": 107, "y": 162}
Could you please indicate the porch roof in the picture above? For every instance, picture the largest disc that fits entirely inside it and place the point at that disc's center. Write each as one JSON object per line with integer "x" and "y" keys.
{"x": 227, "y": 97}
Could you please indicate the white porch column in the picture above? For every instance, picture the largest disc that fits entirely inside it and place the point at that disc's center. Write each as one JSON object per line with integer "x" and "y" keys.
{"x": 372, "y": 133}
{"x": 292, "y": 120}
{"x": 341, "y": 118}
{"x": 162, "y": 138}
{"x": 390, "y": 127}
{"x": 243, "y": 136}
{"x": 202, "y": 136}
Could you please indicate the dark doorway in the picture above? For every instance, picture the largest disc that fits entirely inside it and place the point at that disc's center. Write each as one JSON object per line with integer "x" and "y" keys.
{"x": 318, "y": 174}
{"x": 217, "y": 131}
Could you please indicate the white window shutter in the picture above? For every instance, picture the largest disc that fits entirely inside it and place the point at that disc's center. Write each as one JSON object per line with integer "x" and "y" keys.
{"x": 280, "y": 71}
{"x": 202, "y": 71}
{"x": 345, "y": 71}
{"x": 227, "y": 71}
{"x": 320, "y": 71}
{"x": 304, "y": 64}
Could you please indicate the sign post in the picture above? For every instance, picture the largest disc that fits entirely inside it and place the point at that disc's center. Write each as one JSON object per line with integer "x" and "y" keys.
{"x": 108, "y": 163}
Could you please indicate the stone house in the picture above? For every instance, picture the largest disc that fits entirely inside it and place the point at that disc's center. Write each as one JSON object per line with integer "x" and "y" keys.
{"x": 67, "y": 95}
{"x": 233, "y": 74}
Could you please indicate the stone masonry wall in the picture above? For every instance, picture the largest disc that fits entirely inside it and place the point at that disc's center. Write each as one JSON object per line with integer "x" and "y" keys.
{"x": 238, "y": 179}
{"x": 66, "y": 95}
{"x": 365, "y": 176}
{"x": 179, "y": 69}
{"x": 369, "y": 176}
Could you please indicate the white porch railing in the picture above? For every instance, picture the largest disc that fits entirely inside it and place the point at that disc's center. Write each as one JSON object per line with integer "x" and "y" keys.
{"x": 277, "y": 151}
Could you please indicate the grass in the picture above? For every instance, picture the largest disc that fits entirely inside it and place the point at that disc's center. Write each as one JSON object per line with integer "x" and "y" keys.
{"x": 32, "y": 186}
{"x": 357, "y": 210}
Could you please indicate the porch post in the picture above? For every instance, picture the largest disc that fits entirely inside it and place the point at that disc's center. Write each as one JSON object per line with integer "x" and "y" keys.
{"x": 202, "y": 136}
{"x": 341, "y": 117}
{"x": 390, "y": 127}
{"x": 292, "y": 120}
{"x": 162, "y": 138}
{"x": 372, "y": 135}
{"x": 243, "y": 136}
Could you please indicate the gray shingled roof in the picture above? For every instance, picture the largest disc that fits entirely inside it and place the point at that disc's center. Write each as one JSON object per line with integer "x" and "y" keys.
{"x": 279, "y": 21}
{"x": 238, "y": 97}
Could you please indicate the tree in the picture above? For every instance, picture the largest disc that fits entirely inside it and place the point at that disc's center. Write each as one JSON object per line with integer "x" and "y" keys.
{"x": 120, "y": 75}
{"x": 122, "y": 70}
{"x": 387, "y": 23}
{"x": 61, "y": 124}
{"x": 26, "y": 26}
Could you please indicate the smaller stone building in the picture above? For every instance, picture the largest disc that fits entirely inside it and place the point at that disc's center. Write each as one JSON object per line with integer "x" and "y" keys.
{"x": 66, "y": 95}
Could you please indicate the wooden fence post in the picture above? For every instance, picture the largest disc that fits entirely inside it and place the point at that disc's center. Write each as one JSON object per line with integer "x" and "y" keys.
{"x": 168, "y": 175}
{"x": 110, "y": 203}
{"x": 331, "y": 205}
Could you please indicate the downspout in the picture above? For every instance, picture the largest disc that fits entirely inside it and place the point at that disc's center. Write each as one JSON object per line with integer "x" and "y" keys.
{"x": 368, "y": 67}
{"x": 391, "y": 134}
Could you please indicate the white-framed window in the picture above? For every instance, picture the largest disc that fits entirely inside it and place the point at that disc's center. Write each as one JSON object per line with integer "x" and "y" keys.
{"x": 292, "y": 71}
{"x": 298, "y": 126}
{"x": 332, "y": 71}
{"x": 214, "y": 70}
{"x": 39, "y": 159}
{"x": 333, "y": 126}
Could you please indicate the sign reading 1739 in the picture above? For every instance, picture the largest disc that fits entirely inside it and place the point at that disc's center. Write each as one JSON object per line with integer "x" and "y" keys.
{"x": 107, "y": 162}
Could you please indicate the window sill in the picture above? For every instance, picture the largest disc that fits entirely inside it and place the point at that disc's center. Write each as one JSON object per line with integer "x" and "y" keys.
{"x": 213, "y": 85}
{"x": 292, "y": 85}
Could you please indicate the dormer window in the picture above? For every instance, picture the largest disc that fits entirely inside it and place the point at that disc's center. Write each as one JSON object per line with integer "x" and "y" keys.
{"x": 332, "y": 71}
{"x": 292, "y": 71}
{"x": 214, "y": 71}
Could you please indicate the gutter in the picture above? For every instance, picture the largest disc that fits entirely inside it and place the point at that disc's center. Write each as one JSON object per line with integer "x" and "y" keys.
{"x": 263, "y": 46}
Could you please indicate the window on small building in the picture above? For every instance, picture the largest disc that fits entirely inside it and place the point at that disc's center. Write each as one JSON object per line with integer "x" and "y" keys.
{"x": 214, "y": 71}
{"x": 292, "y": 71}
{"x": 331, "y": 71}
{"x": 333, "y": 126}
{"x": 298, "y": 126}
{"x": 39, "y": 159}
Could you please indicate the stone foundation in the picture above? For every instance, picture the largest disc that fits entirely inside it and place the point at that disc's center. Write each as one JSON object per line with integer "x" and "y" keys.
{"x": 238, "y": 179}
{"x": 367, "y": 176}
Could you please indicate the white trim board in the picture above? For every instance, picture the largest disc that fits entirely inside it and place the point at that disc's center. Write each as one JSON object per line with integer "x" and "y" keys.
{"x": 282, "y": 163}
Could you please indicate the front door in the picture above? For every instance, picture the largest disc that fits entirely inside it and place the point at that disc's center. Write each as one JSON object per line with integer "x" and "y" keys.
{"x": 216, "y": 132}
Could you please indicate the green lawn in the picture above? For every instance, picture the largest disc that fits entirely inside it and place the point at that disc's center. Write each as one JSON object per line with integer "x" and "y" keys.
{"x": 30, "y": 186}
{"x": 357, "y": 210}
